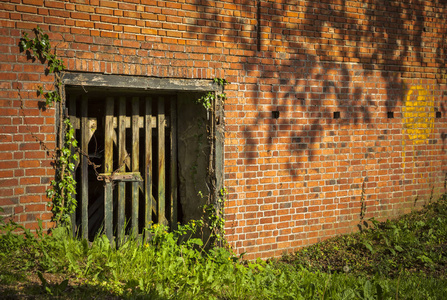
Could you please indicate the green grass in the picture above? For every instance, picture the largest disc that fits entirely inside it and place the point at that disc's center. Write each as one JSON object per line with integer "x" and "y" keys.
{"x": 415, "y": 243}
{"x": 401, "y": 259}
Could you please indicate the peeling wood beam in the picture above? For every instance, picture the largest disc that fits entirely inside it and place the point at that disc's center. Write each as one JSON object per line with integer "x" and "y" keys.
{"x": 140, "y": 83}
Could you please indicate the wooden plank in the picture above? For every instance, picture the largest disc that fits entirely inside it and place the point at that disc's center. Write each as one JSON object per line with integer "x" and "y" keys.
{"x": 109, "y": 132}
{"x": 148, "y": 163}
{"x": 122, "y": 168}
{"x": 219, "y": 158}
{"x": 219, "y": 192}
{"x": 126, "y": 155}
{"x": 135, "y": 161}
{"x": 124, "y": 83}
{"x": 173, "y": 153}
{"x": 161, "y": 162}
{"x": 118, "y": 176}
{"x": 84, "y": 165}
{"x": 72, "y": 118}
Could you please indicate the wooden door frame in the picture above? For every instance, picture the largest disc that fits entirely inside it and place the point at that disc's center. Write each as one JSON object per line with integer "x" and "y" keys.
{"x": 121, "y": 83}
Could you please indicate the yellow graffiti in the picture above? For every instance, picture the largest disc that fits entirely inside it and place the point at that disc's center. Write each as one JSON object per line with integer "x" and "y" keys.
{"x": 418, "y": 115}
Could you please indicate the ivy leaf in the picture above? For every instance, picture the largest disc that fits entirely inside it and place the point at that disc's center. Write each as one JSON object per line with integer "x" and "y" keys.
{"x": 368, "y": 246}
{"x": 50, "y": 193}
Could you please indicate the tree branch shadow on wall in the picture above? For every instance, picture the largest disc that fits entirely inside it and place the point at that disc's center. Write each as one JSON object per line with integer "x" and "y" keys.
{"x": 322, "y": 51}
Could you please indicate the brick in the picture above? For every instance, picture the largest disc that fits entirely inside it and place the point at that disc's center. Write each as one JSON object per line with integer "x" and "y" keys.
{"x": 27, "y": 9}
{"x": 81, "y": 16}
{"x": 35, "y": 207}
{"x": 30, "y": 199}
{"x": 33, "y": 2}
{"x": 6, "y": 193}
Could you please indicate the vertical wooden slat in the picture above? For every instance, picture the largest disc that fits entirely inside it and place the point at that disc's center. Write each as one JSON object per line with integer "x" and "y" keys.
{"x": 219, "y": 192}
{"x": 122, "y": 167}
{"x": 173, "y": 153}
{"x": 135, "y": 161}
{"x": 72, "y": 116}
{"x": 108, "y": 168}
{"x": 148, "y": 162}
{"x": 161, "y": 162}
{"x": 84, "y": 165}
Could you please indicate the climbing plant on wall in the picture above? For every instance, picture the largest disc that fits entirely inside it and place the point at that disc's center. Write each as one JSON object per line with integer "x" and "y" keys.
{"x": 214, "y": 209}
{"x": 207, "y": 99}
{"x": 63, "y": 187}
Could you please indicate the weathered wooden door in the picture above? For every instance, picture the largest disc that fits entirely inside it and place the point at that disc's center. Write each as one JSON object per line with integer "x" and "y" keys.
{"x": 137, "y": 136}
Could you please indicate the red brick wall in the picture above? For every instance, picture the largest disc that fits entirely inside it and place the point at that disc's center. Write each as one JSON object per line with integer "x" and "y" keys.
{"x": 294, "y": 180}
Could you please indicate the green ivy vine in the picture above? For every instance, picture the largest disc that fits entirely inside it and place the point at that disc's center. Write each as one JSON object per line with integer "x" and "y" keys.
{"x": 214, "y": 209}
{"x": 63, "y": 187}
{"x": 207, "y": 99}
{"x": 216, "y": 222}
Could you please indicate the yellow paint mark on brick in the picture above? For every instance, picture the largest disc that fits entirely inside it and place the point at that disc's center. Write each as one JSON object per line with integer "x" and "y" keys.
{"x": 418, "y": 115}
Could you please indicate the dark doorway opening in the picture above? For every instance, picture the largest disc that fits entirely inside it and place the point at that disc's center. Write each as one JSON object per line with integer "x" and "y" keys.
{"x": 143, "y": 159}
